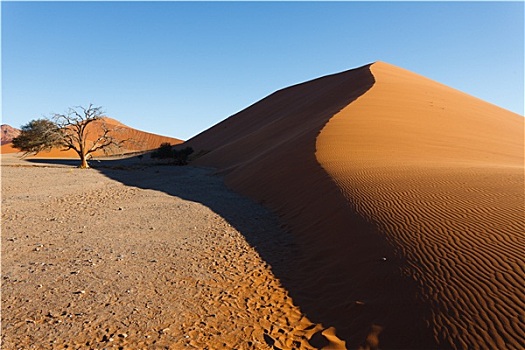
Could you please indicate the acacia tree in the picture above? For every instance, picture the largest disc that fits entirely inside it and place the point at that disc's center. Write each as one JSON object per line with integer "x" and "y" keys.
{"x": 71, "y": 130}
{"x": 36, "y": 136}
{"x": 74, "y": 131}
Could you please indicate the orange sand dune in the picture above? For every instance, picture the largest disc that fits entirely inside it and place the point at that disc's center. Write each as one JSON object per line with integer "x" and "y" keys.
{"x": 8, "y": 148}
{"x": 406, "y": 197}
{"x": 140, "y": 140}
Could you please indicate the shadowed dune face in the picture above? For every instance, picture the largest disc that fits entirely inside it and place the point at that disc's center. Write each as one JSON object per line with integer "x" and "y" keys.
{"x": 268, "y": 152}
{"x": 405, "y": 196}
{"x": 440, "y": 174}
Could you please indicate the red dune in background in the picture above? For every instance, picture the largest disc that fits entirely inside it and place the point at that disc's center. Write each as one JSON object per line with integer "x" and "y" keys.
{"x": 140, "y": 140}
{"x": 406, "y": 198}
{"x": 8, "y": 133}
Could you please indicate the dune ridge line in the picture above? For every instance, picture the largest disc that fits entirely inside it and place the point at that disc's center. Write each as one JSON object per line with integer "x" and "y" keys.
{"x": 440, "y": 174}
{"x": 388, "y": 181}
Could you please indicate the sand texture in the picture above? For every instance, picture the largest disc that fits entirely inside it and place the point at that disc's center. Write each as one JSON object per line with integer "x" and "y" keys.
{"x": 406, "y": 198}
{"x": 142, "y": 257}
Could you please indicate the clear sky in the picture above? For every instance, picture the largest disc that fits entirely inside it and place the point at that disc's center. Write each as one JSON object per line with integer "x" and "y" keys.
{"x": 177, "y": 68}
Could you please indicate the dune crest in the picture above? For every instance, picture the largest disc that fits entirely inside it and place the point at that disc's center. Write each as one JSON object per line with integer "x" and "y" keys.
{"x": 440, "y": 173}
{"x": 405, "y": 196}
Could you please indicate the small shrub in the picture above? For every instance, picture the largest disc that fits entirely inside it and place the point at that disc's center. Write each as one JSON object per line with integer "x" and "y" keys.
{"x": 181, "y": 156}
{"x": 163, "y": 152}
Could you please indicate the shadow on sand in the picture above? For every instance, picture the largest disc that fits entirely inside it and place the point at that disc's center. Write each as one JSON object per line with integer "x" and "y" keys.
{"x": 260, "y": 227}
{"x": 51, "y": 162}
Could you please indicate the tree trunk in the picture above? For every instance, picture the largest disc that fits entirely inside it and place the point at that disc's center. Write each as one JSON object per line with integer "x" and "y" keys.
{"x": 83, "y": 161}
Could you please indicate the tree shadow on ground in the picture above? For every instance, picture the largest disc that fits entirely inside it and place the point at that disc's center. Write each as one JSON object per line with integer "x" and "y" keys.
{"x": 260, "y": 227}
{"x": 53, "y": 162}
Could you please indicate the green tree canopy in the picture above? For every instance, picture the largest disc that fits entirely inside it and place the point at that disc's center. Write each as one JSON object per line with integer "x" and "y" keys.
{"x": 38, "y": 135}
{"x": 70, "y": 131}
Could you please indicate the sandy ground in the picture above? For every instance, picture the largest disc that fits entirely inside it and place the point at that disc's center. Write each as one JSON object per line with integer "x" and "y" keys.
{"x": 133, "y": 256}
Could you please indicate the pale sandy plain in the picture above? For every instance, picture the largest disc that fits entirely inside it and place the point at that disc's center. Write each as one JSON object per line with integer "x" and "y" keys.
{"x": 401, "y": 226}
{"x": 135, "y": 256}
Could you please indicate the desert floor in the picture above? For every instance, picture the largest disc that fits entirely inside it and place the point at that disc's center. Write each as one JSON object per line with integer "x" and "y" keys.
{"x": 131, "y": 255}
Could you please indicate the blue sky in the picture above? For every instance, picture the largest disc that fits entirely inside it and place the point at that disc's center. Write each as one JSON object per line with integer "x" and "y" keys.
{"x": 177, "y": 68}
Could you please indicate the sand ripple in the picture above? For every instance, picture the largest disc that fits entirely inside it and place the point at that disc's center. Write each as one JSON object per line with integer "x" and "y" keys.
{"x": 446, "y": 189}
{"x": 462, "y": 235}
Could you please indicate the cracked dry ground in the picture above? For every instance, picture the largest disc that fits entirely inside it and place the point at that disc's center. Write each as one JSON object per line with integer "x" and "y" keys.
{"x": 140, "y": 258}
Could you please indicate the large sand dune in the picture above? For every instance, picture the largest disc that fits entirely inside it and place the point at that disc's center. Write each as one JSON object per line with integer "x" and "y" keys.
{"x": 406, "y": 197}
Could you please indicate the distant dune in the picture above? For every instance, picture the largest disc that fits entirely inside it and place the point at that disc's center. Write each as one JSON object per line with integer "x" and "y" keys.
{"x": 8, "y": 133}
{"x": 407, "y": 200}
{"x": 140, "y": 141}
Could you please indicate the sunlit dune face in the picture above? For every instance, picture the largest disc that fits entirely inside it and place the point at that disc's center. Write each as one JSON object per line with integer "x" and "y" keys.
{"x": 406, "y": 196}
